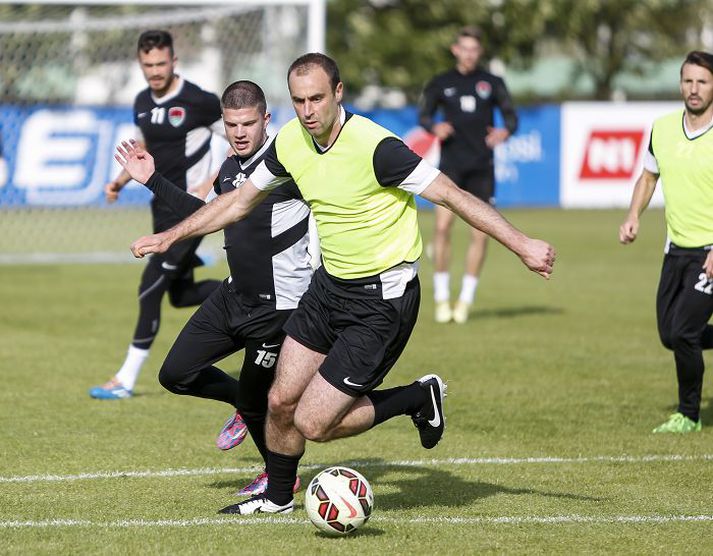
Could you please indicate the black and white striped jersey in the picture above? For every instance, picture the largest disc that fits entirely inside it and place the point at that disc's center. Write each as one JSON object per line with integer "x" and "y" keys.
{"x": 268, "y": 250}
{"x": 177, "y": 130}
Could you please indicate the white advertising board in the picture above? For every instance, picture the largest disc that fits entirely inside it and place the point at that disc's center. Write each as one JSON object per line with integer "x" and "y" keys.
{"x": 603, "y": 146}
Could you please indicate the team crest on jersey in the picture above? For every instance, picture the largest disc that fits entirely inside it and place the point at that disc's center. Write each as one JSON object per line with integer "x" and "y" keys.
{"x": 239, "y": 180}
{"x": 484, "y": 89}
{"x": 176, "y": 115}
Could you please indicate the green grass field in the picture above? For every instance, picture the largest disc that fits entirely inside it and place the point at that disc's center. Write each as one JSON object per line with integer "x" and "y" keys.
{"x": 554, "y": 387}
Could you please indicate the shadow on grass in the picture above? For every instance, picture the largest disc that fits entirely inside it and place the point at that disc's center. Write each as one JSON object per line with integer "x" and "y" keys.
{"x": 513, "y": 312}
{"x": 433, "y": 487}
{"x": 707, "y": 412}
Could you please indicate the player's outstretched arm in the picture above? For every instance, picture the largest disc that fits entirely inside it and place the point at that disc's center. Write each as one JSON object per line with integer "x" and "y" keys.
{"x": 216, "y": 215}
{"x": 640, "y": 199}
{"x": 537, "y": 255}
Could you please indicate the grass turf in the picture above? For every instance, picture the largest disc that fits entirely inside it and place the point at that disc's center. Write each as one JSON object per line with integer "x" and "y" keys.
{"x": 569, "y": 368}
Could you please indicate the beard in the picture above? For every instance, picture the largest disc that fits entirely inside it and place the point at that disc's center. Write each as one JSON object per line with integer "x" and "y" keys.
{"x": 697, "y": 110}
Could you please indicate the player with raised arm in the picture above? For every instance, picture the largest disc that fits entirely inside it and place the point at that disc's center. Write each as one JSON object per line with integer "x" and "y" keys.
{"x": 270, "y": 269}
{"x": 174, "y": 120}
{"x": 355, "y": 319}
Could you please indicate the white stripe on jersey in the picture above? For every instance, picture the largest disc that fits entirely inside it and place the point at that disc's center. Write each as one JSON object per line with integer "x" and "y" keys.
{"x": 199, "y": 172}
{"x": 287, "y": 214}
{"x": 292, "y": 273}
{"x": 195, "y": 139}
{"x": 421, "y": 177}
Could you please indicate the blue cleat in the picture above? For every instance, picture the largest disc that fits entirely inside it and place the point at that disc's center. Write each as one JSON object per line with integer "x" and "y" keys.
{"x": 112, "y": 390}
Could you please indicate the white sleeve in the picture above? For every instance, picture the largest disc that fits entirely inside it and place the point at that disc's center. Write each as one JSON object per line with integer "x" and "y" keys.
{"x": 650, "y": 163}
{"x": 421, "y": 177}
{"x": 265, "y": 180}
{"x": 218, "y": 128}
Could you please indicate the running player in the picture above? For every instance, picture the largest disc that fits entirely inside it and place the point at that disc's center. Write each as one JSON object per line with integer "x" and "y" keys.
{"x": 468, "y": 96}
{"x": 270, "y": 269}
{"x": 681, "y": 154}
{"x": 357, "y": 315}
{"x": 174, "y": 120}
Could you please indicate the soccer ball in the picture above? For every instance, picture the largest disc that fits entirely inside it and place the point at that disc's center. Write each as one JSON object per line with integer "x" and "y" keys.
{"x": 339, "y": 500}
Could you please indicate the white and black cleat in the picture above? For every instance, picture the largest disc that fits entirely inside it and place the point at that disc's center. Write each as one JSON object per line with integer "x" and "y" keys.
{"x": 430, "y": 419}
{"x": 258, "y": 505}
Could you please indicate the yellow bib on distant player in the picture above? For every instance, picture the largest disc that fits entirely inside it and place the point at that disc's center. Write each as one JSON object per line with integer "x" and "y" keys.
{"x": 364, "y": 228}
{"x": 686, "y": 168}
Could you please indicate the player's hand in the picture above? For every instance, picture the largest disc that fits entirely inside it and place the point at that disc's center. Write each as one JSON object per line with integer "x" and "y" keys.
{"x": 539, "y": 256}
{"x": 495, "y": 136}
{"x": 135, "y": 160}
{"x": 708, "y": 265}
{"x": 111, "y": 191}
{"x": 629, "y": 230}
{"x": 442, "y": 130}
{"x": 156, "y": 243}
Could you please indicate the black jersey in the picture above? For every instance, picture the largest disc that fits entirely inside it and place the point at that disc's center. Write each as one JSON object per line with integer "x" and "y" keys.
{"x": 468, "y": 102}
{"x": 177, "y": 131}
{"x": 267, "y": 250}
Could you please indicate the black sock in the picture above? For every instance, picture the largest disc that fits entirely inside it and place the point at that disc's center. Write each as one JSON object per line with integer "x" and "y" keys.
{"x": 281, "y": 473}
{"x": 402, "y": 400}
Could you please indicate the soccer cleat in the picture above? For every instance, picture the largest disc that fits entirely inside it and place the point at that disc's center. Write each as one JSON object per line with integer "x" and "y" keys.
{"x": 443, "y": 312}
{"x": 259, "y": 486}
{"x": 112, "y": 390}
{"x": 258, "y": 505}
{"x": 430, "y": 419}
{"x": 679, "y": 423}
{"x": 460, "y": 312}
{"x": 233, "y": 432}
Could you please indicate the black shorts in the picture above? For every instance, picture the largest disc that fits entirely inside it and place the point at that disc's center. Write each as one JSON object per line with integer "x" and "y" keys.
{"x": 222, "y": 325}
{"x": 361, "y": 333}
{"x": 479, "y": 182}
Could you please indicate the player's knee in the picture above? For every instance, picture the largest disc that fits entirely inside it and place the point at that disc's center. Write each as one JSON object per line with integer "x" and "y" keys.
{"x": 681, "y": 340}
{"x": 281, "y": 409}
{"x": 310, "y": 428}
{"x": 172, "y": 378}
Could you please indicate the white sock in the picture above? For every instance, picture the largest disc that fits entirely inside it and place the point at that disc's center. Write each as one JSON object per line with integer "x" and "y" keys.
{"x": 441, "y": 286}
{"x": 467, "y": 289}
{"x": 131, "y": 368}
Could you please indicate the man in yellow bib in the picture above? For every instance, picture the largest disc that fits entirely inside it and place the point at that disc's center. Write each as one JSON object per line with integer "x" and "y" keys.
{"x": 681, "y": 154}
{"x": 358, "y": 313}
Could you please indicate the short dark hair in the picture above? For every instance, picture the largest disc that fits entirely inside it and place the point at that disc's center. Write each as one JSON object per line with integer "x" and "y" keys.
{"x": 305, "y": 62}
{"x": 155, "y": 39}
{"x": 699, "y": 58}
{"x": 472, "y": 32}
{"x": 243, "y": 94}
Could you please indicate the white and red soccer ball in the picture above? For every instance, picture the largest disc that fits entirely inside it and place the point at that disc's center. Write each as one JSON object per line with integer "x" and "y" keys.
{"x": 339, "y": 500}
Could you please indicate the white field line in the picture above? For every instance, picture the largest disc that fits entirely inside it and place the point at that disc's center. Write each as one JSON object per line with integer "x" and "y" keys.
{"x": 502, "y": 520}
{"x": 355, "y": 463}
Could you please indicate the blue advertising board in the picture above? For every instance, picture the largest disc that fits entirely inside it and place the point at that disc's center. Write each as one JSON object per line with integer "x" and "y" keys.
{"x": 63, "y": 156}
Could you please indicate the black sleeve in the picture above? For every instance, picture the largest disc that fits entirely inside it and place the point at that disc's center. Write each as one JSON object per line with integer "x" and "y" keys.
{"x": 183, "y": 204}
{"x": 394, "y": 162}
{"x": 273, "y": 163}
{"x": 216, "y": 184}
{"x": 504, "y": 101}
{"x": 211, "y": 109}
{"x": 427, "y": 106}
{"x": 651, "y": 143}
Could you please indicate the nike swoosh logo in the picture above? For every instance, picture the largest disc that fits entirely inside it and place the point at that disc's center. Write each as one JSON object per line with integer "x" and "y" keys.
{"x": 436, "y": 421}
{"x": 270, "y": 346}
{"x": 227, "y": 179}
{"x": 352, "y": 509}
{"x": 168, "y": 266}
{"x": 142, "y": 115}
{"x": 350, "y": 383}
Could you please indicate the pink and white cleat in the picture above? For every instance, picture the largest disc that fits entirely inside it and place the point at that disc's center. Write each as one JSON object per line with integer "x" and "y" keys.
{"x": 259, "y": 486}
{"x": 233, "y": 432}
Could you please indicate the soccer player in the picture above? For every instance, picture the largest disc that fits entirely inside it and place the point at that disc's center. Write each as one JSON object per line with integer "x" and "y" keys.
{"x": 467, "y": 96}
{"x": 175, "y": 120}
{"x": 681, "y": 154}
{"x": 360, "y": 308}
{"x": 270, "y": 269}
